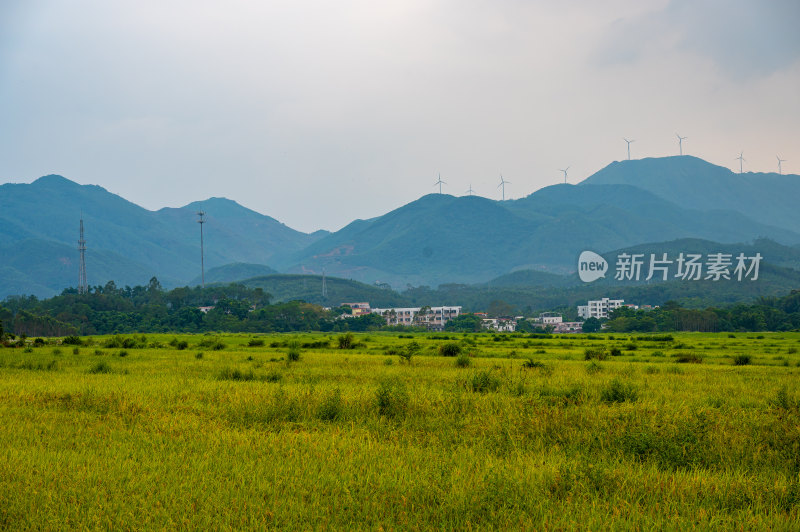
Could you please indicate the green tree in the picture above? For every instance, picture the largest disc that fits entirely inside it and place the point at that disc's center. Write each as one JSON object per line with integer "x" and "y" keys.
{"x": 464, "y": 323}
{"x": 591, "y": 325}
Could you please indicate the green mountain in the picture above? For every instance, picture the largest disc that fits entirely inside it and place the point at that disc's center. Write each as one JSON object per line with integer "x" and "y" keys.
{"x": 435, "y": 240}
{"x": 309, "y": 288}
{"x": 126, "y": 243}
{"x": 44, "y": 268}
{"x": 445, "y": 239}
{"x": 779, "y": 274}
{"x": 233, "y": 273}
{"x": 768, "y": 198}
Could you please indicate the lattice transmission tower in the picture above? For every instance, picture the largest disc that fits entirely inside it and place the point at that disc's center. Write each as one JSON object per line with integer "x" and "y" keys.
{"x": 83, "y": 286}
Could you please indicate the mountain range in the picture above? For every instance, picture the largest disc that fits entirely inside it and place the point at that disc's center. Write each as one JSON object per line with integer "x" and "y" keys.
{"x": 434, "y": 240}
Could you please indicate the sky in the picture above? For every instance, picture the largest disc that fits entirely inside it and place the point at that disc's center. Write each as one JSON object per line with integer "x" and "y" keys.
{"x": 318, "y": 113}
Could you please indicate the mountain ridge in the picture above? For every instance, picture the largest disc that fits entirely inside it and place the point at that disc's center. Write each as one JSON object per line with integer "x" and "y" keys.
{"x": 436, "y": 239}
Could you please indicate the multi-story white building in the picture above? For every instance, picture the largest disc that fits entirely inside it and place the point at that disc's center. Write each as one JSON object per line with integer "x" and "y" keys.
{"x": 599, "y": 308}
{"x": 549, "y": 318}
{"x": 500, "y": 324}
{"x": 433, "y": 318}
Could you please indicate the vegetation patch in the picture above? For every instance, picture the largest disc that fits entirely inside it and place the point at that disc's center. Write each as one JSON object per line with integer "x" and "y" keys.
{"x": 619, "y": 391}
{"x": 484, "y": 381}
{"x": 688, "y": 358}
{"x": 392, "y": 398}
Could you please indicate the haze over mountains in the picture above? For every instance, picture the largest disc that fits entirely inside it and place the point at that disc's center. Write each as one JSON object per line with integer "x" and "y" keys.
{"x": 436, "y": 239}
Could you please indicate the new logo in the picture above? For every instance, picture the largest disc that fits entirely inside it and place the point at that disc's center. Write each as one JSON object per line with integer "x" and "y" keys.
{"x": 591, "y": 266}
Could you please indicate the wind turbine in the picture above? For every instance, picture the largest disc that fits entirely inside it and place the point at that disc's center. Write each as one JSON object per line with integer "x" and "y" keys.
{"x": 565, "y": 173}
{"x": 440, "y": 183}
{"x": 503, "y": 184}
{"x": 680, "y": 142}
{"x": 780, "y": 170}
{"x": 741, "y": 160}
{"x": 629, "y": 146}
{"x": 470, "y": 191}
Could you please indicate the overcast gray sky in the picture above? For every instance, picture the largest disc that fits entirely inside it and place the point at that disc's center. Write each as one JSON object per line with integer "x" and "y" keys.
{"x": 320, "y": 112}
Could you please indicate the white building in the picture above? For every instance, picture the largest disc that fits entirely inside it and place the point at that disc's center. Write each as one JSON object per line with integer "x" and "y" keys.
{"x": 599, "y": 308}
{"x": 549, "y": 318}
{"x": 568, "y": 327}
{"x": 433, "y": 318}
{"x": 499, "y": 324}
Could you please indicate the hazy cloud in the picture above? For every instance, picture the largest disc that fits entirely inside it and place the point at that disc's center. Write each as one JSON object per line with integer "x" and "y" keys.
{"x": 745, "y": 39}
{"x": 317, "y": 112}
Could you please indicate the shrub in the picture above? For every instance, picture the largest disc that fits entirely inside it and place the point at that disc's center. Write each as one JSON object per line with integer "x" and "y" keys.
{"x": 630, "y": 346}
{"x": 71, "y": 340}
{"x": 293, "y": 354}
{"x": 619, "y": 392}
{"x": 741, "y": 360}
{"x": 320, "y": 344}
{"x": 39, "y": 342}
{"x": 255, "y": 342}
{"x": 273, "y": 376}
{"x": 99, "y": 352}
{"x": 28, "y": 350}
{"x": 392, "y": 398}
{"x": 450, "y": 349}
{"x": 531, "y": 363}
{"x": 650, "y": 370}
{"x": 484, "y": 381}
{"x": 100, "y": 367}
{"x": 783, "y": 400}
{"x": 388, "y": 362}
{"x": 593, "y": 368}
{"x": 330, "y": 409}
{"x": 228, "y": 374}
{"x": 411, "y": 349}
{"x": 346, "y": 341}
{"x": 199, "y": 355}
{"x": 688, "y": 358}
{"x": 181, "y": 345}
{"x": 218, "y": 345}
{"x": 615, "y": 352}
{"x": 122, "y": 353}
{"x": 56, "y": 351}
{"x": 595, "y": 352}
{"x": 463, "y": 361}
{"x": 76, "y": 351}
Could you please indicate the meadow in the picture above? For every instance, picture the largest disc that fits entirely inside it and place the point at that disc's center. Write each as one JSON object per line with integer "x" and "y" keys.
{"x": 402, "y": 431}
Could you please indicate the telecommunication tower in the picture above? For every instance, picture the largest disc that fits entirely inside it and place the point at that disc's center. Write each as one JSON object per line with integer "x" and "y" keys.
{"x": 201, "y": 221}
{"x": 83, "y": 286}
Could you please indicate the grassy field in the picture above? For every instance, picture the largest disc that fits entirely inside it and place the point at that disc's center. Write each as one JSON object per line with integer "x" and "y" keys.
{"x": 199, "y": 432}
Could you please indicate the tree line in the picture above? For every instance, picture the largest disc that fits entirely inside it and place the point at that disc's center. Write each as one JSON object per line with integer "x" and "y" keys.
{"x": 766, "y": 314}
{"x": 108, "y": 309}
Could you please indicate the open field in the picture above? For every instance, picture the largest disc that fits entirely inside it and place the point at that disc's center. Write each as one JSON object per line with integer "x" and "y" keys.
{"x": 689, "y": 430}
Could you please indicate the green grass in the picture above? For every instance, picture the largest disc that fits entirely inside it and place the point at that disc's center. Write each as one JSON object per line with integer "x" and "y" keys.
{"x": 241, "y": 437}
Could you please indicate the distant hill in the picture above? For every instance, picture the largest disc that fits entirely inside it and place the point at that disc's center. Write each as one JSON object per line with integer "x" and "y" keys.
{"x": 521, "y": 278}
{"x": 445, "y": 239}
{"x": 436, "y": 240}
{"x": 126, "y": 243}
{"x": 232, "y": 273}
{"x": 767, "y": 198}
{"x": 44, "y": 268}
{"x": 309, "y": 288}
